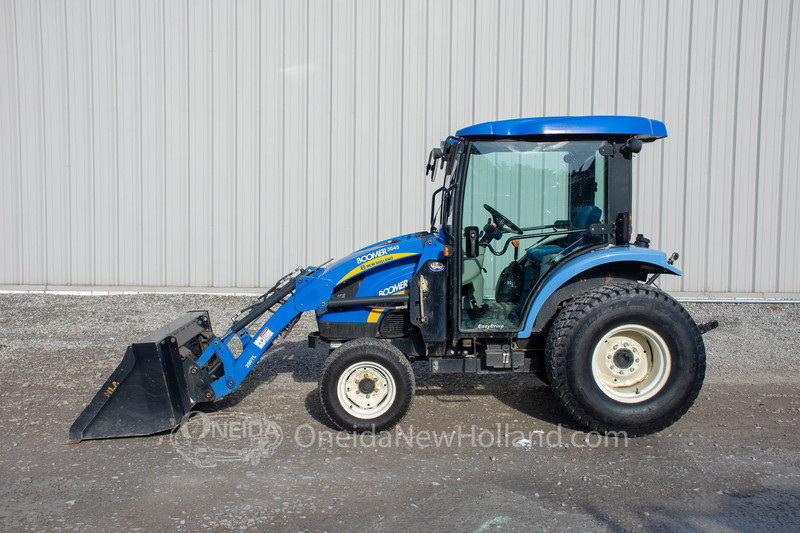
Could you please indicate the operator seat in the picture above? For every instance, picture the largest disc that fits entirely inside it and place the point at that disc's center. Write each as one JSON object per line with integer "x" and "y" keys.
{"x": 472, "y": 272}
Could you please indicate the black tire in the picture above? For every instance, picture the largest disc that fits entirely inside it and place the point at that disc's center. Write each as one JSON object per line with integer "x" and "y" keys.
{"x": 386, "y": 375}
{"x": 583, "y": 348}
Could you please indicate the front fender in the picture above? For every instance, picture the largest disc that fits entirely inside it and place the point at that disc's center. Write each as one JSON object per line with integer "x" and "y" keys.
{"x": 582, "y": 263}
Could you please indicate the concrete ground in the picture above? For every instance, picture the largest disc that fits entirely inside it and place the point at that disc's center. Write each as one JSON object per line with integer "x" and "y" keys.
{"x": 476, "y": 453}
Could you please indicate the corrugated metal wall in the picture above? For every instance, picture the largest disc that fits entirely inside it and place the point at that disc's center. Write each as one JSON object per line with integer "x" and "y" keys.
{"x": 219, "y": 144}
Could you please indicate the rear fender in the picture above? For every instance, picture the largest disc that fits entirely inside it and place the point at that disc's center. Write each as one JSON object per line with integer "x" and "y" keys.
{"x": 615, "y": 257}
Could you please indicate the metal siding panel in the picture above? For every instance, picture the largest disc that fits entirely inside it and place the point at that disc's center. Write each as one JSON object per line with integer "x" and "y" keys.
{"x": 342, "y": 123}
{"x": 105, "y": 255}
{"x": 699, "y": 94}
{"x": 721, "y": 151}
{"x": 390, "y": 108}
{"x": 509, "y": 59}
{"x": 247, "y": 143}
{"x": 534, "y": 56}
{"x": 581, "y": 87}
{"x": 415, "y": 149}
{"x": 318, "y": 149}
{"x": 129, "y": 142}
{"x": 675, "y": 107}
{"x": 177, "y": 259}
{"x": 272, "y": 217}
{"x": 201, "y": 137}
{"x": 557, "y": 68}
{"x": 649, "y": 169}
{"x": 10, "y": 213}
{"x": 436, "y": 104}
{"x": 56, "y": 143}
{"x": 606, "y": 54}
{"x": 462, "y": 65}
{"x": 487, "y": 35}
{"x": 772, "y": 111}
{"x": 81, "y": 156}
{"x": 153, "y": 157}
{"x": 169, "y": 142}
{"x": 365, "y": 117}
{"x": 31, "y": 134}
{"x": 746, "y": 147}
{"x": 788, "y": 244}
{"x": 625, "y": 56}
{"x": 295, "y": 76}
{"x": 223, "y": 229}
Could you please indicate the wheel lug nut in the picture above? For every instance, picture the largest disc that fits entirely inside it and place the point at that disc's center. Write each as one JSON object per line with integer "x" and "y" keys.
{"x": 637, "y": 359}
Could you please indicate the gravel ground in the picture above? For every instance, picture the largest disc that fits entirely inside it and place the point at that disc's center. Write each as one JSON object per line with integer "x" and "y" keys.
{"x": 731, "y": 464}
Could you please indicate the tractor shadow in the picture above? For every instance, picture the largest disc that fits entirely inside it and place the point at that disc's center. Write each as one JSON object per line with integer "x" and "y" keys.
{"x": 524, "y": 393}
{"x": 287, "y": 357}
{"x": 521, "y": 392}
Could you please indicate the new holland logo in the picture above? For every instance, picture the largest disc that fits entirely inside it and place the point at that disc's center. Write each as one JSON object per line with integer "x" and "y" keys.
{"x": 372, "y": 263}
{"x": 436, "y": 266}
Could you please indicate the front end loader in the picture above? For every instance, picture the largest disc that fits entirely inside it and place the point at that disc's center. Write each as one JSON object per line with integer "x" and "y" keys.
{"x": 528, "y": 266}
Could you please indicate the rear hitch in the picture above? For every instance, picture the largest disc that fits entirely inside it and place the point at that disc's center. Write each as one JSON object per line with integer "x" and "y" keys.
{"x": 708, "y": 326}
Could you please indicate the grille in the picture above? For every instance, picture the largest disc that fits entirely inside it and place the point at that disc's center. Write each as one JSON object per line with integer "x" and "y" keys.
{"x": 395, "y": 324}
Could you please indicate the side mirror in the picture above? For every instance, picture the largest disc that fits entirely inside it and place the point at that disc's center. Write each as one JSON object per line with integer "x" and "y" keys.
{"x": 433, "y": 157}
{"x": 471, "y": 244}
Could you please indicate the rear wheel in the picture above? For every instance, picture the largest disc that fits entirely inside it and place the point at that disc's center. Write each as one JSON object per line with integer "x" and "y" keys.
{"x": 625, "y": 358}
{"x": 366, "y": 385}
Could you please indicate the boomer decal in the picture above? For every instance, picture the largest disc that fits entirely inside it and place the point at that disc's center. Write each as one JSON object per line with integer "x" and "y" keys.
{"x": 377, "y": 253}
{"x": 394, "y": 288}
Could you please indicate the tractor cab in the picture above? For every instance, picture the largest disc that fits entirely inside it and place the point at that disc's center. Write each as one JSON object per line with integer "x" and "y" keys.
{"x": 521, "y": 197}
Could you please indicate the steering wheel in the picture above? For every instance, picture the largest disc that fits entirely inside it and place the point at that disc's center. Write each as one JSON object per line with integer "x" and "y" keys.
{"x": 502, "y": 220}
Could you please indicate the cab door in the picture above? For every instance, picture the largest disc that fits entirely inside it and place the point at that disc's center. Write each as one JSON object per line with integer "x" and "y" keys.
{"x": 532, "y": 204}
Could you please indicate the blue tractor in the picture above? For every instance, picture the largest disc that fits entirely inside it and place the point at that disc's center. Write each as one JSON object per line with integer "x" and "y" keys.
{"x": 528, "y": 266}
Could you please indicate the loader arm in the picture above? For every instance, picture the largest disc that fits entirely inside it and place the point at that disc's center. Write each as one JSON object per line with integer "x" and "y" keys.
{"x": 165, "y": 374}
{"x": 253, "y": 347}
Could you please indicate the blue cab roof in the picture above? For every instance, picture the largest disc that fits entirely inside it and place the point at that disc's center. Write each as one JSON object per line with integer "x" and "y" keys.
{"x": 643, "y": 128}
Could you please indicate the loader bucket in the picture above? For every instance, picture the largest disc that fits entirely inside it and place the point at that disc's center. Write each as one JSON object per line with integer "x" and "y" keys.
{"x": 154, "y": 386}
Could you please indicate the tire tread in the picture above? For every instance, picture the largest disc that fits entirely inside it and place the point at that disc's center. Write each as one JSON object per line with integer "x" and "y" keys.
{"x": 564, "y": 329}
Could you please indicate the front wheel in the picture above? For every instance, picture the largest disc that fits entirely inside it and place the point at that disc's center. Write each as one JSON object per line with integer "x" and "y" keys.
{"x": 625, "y": 357}
{"x": 366, "y": 385}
